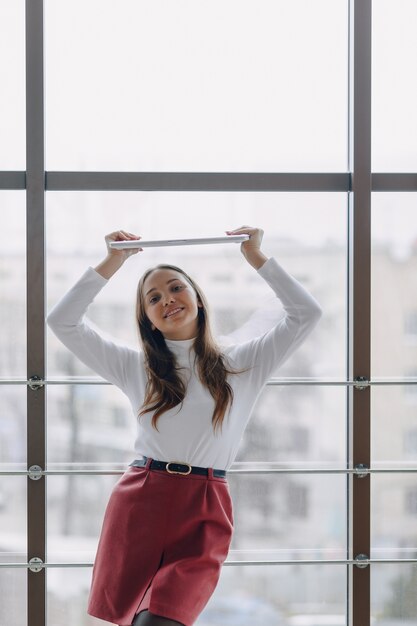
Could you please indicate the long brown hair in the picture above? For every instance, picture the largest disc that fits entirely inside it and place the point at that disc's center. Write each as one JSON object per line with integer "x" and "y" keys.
{"x": 165, "y": 389}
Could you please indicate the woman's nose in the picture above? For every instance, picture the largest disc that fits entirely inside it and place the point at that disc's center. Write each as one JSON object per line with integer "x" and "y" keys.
{"x": 169, "y": 299}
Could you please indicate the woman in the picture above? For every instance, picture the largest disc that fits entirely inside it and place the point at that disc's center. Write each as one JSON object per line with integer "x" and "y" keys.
{"x": 169, "y": 521}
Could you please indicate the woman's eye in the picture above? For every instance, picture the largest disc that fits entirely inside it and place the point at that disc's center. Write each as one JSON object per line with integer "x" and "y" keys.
{"x": 153, "y": 300}
{"x": 178, "y": 287}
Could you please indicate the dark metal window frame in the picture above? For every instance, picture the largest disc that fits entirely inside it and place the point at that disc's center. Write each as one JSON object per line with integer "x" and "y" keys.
{"x": 358, "y": 182}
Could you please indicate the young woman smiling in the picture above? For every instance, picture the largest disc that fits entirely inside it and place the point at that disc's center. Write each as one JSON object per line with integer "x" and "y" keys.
{"x": 168, "y": 524}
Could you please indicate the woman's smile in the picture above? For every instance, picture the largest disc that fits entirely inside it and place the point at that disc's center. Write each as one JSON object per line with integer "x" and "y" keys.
{"x": 173, "y": 311}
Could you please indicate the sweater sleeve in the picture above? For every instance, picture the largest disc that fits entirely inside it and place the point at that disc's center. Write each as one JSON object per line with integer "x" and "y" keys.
{"x": 264, "y": 354}
{"x": 68, "y": 322}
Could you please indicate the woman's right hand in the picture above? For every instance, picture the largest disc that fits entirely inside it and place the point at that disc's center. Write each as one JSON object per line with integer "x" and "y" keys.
{"x": 121, "y": 235}
{"x": 115, "y": 258}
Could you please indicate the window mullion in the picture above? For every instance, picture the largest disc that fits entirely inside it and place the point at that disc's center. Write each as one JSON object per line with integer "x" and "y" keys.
{"x": 35, "y": 243}
{"x": 360, "y": 303}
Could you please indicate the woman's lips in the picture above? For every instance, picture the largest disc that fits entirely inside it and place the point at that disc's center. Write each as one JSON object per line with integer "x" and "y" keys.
{"x": 173, "y": 312}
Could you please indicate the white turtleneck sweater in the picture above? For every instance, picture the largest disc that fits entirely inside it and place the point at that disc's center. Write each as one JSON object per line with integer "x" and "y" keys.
{"x": 186, "y": 432}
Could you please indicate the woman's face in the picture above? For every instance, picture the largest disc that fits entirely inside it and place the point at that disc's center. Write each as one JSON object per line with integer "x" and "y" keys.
{"x": 171, "y": 304}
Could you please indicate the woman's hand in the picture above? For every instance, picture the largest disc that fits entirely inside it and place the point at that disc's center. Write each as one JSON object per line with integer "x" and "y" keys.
{"x": 251, "y": 249}
{"x": 121, "y": 235}
{"x": 115, "y": 258}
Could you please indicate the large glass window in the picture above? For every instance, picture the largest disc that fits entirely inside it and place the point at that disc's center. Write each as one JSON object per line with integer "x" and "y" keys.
{"x": 13, "y": 489}
{"x": 207, "y": 90}
{"x": 394, "y": 92}
{"x": 293, "y": 595}
{"x": 12, "y": 81}
{"x": 197, "y": 86}
{"x": 393, "y": 594}
{"x": 293, "y": 427}
{"x": 314, "y": 254}
{"x": 13, "y": 285}
{"x": 394, "y": 296}
{"x": 12, "y": 426}
{"x": 13, "y": 606}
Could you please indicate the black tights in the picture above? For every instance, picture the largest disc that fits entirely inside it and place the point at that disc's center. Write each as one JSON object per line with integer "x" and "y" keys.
{"x": 144, "y": 618}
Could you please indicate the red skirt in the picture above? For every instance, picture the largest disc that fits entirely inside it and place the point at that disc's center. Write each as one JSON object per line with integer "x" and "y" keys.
{"x": 162, "y": 545}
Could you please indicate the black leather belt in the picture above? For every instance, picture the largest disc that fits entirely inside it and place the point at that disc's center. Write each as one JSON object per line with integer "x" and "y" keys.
{"x": 175, "y": 467}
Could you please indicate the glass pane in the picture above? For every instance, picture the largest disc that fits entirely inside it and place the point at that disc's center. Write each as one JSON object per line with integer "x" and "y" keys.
{"x": 394, "y": 91}
{"x": 13, "y": 593}
{"x": 281, "y": 595}
{"x": 393, "y": 595}
{"x": 299, "y": 426}
{"x": 67, "y": 595}
{"x": 394, "y": 516}
{"x": 394, "y": 296}
{"x": 197, "y": 86}
{"x": 13, "y": 544}
{"x": 314, "y": 253}
{"x": 286, "y": 516}
{"x": 394, "y": 426}
{"x": 76, "y": 507}
{"x": 245, "y": 596}
{"x": 13, "y": 285}
{"x": 12, "y": 78}
{"x": 92, "y": 425}
{"x": 13, "y": 427}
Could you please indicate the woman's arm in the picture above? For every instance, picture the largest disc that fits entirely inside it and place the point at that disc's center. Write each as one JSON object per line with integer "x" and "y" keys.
{"x": 266, "y": 353}
{"x": 67, "y": 320}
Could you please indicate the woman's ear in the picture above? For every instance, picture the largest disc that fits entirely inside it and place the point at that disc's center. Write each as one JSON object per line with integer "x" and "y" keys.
{"x": 153, "y": 327}
{"x": 200, "y": 305}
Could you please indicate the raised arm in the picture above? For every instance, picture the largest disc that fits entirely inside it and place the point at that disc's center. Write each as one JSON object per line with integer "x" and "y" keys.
{"x": 68, "y": 322}
{"x": 264, "y": 354}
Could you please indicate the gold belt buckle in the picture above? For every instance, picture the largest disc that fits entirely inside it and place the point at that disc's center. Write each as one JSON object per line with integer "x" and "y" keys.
{"x": 175, "y": 472}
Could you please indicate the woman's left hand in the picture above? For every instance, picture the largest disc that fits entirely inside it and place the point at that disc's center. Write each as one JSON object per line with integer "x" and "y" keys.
{"x": 251, "y": 249}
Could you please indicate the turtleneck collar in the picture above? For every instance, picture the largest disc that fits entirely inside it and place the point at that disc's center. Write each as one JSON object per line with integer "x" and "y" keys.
{"x": 179, "y": 345}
